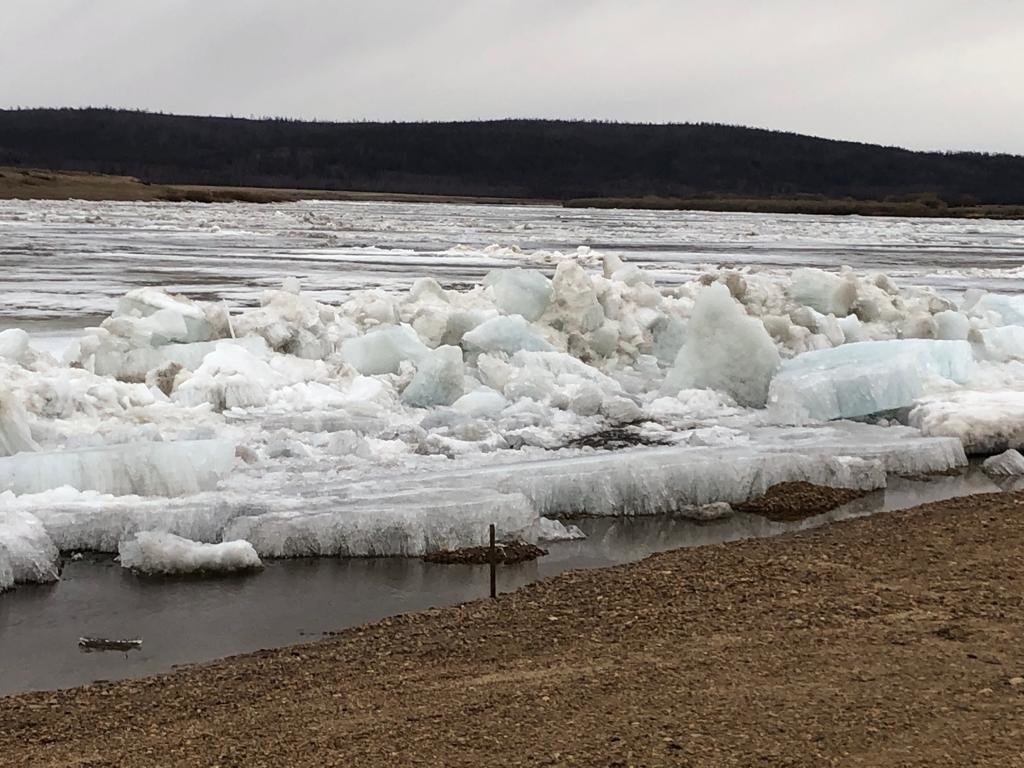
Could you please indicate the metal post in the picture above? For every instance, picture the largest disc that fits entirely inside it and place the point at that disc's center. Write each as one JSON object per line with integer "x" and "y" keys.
{"x": 494, "y": 564}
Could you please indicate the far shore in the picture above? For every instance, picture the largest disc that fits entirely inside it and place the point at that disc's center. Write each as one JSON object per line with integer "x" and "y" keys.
{"x": 41, "y": 184}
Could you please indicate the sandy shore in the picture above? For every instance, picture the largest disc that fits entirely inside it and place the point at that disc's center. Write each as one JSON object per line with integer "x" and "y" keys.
{"x": 891, "y": 640}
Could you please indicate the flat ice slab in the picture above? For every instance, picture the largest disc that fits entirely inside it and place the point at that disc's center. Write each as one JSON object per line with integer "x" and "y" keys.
{"x": 864, "y": 378}
{"x": 153, "y": 552}
{"x": 410, "y": 513}
{"x": 143, "y": 469}
{"x": 985, "y": 422}
{"x": 678, "y": 478}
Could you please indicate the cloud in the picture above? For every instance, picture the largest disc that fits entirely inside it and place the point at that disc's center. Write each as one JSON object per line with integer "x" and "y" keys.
{"x": 939, "y": 74}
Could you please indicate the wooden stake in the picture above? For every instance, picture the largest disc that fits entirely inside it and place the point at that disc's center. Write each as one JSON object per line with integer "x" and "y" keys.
{"x": 494, "y": 564}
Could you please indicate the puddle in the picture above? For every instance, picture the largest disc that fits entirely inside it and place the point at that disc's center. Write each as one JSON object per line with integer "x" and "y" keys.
{"x": 292, "y": 601}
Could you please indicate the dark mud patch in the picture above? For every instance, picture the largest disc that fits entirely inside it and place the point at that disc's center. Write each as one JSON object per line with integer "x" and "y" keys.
{"x": 787, "y": 502}
{"x": 616, "y": 438}
{"x": 508, "y": 553}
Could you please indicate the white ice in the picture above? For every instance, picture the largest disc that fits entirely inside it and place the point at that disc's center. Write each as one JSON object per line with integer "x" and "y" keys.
{"x": 864, "y": 378}
{"x": 1007, "y": 464}
{"x": 438, "y": 379}
{"x": 15, "y": 432}
{"x": 1003, "y": 343}
{"x": 985, "y": 421}
{"x": 27, "y": 553}
{"x": 725, "y": 350}
{"x": 505, "y": 334}
{"x": 398, "y": 420}
{"x": 382, "y": 351}
{"x": 153, "y": 552}
{"x": 525, "y": 292}
{"x": 143, "y": 468}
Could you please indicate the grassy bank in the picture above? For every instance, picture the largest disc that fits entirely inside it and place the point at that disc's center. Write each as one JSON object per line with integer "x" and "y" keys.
{"x": 38, "y": 184}
{"x": 886, "y": 641}
{"x": 921, "y": 207}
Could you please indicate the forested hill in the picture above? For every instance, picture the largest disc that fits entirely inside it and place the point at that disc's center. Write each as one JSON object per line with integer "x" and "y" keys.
{"x": 519, "y": 158}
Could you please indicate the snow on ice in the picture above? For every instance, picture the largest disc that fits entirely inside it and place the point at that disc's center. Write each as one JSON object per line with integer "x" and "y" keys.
{"x": 153, "y": 552}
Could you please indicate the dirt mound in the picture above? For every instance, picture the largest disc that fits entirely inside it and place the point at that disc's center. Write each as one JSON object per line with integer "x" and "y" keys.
{"x": 786, "y": 502}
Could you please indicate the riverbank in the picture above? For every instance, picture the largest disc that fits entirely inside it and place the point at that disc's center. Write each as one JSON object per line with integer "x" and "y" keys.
{"x": 889, "y": 640}
{"x": 39, "y": 184}
{"x": 925, "y": 206}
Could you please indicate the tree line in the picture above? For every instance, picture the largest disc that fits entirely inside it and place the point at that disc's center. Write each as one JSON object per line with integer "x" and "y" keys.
{"x": 510, "y": 158}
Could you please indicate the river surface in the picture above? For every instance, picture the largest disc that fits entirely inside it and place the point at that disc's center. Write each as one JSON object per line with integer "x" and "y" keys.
{"x": 73, "y": 259}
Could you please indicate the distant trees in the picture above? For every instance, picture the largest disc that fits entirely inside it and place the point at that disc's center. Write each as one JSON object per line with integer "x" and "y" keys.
{"x": 513, "y": 158}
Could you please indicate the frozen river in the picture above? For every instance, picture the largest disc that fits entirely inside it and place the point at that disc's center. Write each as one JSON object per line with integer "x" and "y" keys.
{"x": 72, "y": 260}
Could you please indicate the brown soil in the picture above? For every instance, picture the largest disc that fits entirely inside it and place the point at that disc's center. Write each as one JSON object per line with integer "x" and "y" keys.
{"x": 617, "y": 438}
{"x": 37, "y": 184}
{"x": 507, "y": 553}
{"x": 795, "y": 501}
{"x": 895, "y": 640}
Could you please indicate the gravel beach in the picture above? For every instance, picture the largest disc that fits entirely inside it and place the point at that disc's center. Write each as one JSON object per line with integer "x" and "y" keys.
{"x": 895, "y": 640}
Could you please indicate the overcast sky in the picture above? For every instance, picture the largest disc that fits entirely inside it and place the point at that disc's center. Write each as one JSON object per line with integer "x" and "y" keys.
{"x": 926, "y": 74}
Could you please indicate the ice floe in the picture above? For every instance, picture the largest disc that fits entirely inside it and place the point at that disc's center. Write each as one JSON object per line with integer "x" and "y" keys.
{"x": 153, "y": 552}
{"x": 404, "y": 422}
{"x": 1007, "y": 464}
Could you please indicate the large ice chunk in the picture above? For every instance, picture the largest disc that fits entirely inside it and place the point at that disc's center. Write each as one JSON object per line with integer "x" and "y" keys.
{"x": 14, "y": 345}
{"x": 1009, "y": 308}
{"x": 864, "y": 378}
{"x": 26, "y": 551}
{"x": 1004, "y": 343}
{"x": 155, "y": 552}
{"x": 294, "y": 323}
{"x": 519, "y": 291}
{"x": 99, "y": 522}
{"x": 438, "y": 380}
{"x": 985, "y": 422}
{"x": 827, "y": 293}
{"x": 160, "y": 318}
{"x": 230, "y": 376}
{"x": 383, "y": 350}
{"x": 507, "y": 334}
{"x": 146, "y": 469}
{"x": 481, "y": 403}
{"x": 952, "y": 325}
{"x": 15, "y": 433}
{"x": 6, "y": 570}
{"x": 409, "y": 522}
{"x": 1007, "y": 464}
{"x": 725, "y": 350}
{"x": 574, "y": 304}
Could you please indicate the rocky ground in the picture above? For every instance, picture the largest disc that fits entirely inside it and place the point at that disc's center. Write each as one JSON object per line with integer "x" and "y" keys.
{"x": 896, "y": 640}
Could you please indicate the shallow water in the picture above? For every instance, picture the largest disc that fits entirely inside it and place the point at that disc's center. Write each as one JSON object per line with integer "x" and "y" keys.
{"x": 185, "y": 621}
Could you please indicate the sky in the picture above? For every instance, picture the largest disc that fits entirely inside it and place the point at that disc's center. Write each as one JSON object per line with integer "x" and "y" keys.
{"x": 924, "y": 74}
